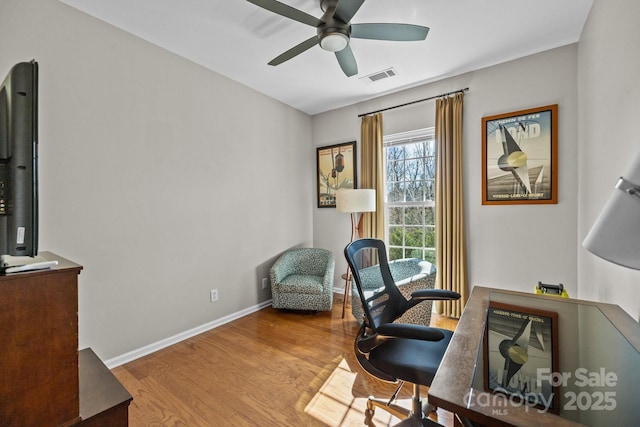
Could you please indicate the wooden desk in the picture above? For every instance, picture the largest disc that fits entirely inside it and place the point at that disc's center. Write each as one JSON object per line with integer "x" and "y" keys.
{"x": 585, "y": 338}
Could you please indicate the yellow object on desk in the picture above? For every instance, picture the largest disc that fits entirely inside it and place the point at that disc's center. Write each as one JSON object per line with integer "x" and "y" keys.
{"x": 555, "y": 290}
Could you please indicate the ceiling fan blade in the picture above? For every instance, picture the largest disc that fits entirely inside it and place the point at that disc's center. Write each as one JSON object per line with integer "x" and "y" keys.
{"x": 287, "y": 11}
{"x": 294, "y": 51}
{"x": 346, "y": 9}
{"x": 393, "y": 32}
{"x": 347, "y": 61}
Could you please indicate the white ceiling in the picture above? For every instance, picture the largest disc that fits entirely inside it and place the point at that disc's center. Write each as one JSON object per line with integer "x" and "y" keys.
{"x": 237, "y": 39}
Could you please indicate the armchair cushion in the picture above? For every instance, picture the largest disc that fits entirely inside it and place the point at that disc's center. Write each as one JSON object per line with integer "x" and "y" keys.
{"x": 302, "y": 283}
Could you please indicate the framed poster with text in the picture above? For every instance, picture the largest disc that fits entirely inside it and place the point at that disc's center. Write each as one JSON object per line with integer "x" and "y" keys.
{"x": 520, "y": 157}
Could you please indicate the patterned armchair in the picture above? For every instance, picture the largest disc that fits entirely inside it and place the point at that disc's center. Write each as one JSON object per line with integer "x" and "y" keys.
{"x": 302, "y": 279}
{"x": 410, "y": 274}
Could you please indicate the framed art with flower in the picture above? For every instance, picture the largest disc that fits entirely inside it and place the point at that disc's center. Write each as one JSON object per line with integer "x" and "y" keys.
{"x": 336, "y": 170}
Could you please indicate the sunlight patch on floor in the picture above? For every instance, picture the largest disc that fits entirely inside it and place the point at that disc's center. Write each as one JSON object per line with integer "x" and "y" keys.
{"x": 336, "y": 406}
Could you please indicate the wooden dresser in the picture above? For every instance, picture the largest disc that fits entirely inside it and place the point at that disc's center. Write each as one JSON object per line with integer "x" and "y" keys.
{"x": 44, "y": 380}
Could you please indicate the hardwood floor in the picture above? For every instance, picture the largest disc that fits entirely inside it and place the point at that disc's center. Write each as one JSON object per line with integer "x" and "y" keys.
{"x": 270, "y": 368}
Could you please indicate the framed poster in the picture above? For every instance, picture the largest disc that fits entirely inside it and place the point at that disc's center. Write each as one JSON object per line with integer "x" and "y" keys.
{"x": 336, "y": 170}
{"x": 520, "y": 157}
{"x": 521, "y": 354}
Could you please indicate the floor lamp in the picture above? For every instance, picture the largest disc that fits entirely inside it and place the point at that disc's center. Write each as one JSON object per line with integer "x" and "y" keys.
{"x": 354, "y": 201}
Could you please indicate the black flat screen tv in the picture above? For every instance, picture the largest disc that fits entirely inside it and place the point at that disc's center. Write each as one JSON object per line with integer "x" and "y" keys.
{"x": 19, "y": 163}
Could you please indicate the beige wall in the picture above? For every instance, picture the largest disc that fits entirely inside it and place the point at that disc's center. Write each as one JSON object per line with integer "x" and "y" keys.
{"x": 608, "y": 72}
{"x": 163, "y": 179}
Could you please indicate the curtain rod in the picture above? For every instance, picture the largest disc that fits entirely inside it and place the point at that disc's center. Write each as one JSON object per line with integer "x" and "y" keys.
{"x": 414, "y": 102}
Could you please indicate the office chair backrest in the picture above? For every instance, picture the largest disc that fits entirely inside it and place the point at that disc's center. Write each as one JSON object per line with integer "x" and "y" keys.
{"x": 381, "y": 299}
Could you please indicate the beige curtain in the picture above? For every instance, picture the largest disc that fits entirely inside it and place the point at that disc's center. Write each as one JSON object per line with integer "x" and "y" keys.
{"x": 451, "y": 257}
{"x": 372, "y": 224}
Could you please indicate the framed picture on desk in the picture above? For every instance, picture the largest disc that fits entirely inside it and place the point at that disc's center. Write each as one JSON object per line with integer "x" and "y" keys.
{"x": 521, "y": 354}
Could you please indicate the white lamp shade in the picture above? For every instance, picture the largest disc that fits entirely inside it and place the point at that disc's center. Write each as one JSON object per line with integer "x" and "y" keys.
{"x": 615, "y": 236}
{"x": 356, "y": 200}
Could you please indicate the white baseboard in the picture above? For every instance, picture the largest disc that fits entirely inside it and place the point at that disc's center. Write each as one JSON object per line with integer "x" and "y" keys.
{"x": 159, "y": 345}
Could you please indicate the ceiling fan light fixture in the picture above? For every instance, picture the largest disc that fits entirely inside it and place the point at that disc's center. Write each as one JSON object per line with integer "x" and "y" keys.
{"x": 334, "y": 41}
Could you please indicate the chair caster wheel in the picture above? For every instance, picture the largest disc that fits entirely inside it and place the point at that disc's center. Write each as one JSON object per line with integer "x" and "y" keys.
{"x": 429, "y": 409}
{"x": 368, "y": 416}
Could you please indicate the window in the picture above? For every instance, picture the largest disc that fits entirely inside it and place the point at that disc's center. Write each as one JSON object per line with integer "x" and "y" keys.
{"x": 410, "y": 165}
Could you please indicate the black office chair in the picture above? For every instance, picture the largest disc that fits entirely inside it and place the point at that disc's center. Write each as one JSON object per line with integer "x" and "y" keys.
{"x": 393, "y": 352}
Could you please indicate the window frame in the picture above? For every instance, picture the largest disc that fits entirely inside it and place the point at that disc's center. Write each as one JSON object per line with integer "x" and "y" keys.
{"x": 428, "y": 234}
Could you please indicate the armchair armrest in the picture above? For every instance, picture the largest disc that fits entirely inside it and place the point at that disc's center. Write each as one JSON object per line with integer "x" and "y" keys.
{"x": 281, "y": 268}
{"x": 327, "y": 280}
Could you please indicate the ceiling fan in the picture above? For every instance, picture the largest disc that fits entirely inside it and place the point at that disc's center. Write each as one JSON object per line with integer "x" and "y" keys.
{"x": 334, "y": 30}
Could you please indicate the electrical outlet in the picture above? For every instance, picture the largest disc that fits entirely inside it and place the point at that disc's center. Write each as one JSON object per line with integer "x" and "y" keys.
{"x": 265, "y": 283}
{"x": 214, "y": 295}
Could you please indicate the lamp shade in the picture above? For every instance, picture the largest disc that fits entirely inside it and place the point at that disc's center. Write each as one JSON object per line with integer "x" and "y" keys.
{"x": 615, "y": 236}
{"x": 356, "y": 200}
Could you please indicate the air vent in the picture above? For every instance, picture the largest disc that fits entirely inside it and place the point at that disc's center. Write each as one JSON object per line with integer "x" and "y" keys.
{"x": 380, "y": 75}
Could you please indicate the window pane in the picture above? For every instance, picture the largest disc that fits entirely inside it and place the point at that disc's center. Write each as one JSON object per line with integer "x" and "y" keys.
{"x": 395, "y": 153}
{"x": 395, "y": 170}
{"x": 430, "y": 255}
{"x": 414, "y": 236}
{"x": 429, "y": 216}
{"x": 395, "y": 216}
{"x": 395, "y": 191}
{"x": 415, "y": 191}
{"x": 414, "y": 215}
{"x": 430, "y": 190}
{"x": 409, "y": 182}
{"x": 430, "y": 237}
{"x": 430, "y": 168}
{"x": 396, "y": 236}
{"x": 410, "y": 195}
{"x": 413, "y": 253}
{"x": 395, "y": 253}
{"x": 413, "y": 170}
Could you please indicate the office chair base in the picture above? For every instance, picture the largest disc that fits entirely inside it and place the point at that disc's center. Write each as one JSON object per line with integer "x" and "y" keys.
{"x": 427, "y": 408}
{"x": 417, "y": 416}
{"x": 395, "y": 410}
{"x": 416, "y": 422}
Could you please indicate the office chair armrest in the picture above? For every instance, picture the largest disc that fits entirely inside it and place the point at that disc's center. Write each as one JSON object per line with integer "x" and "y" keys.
{"x": 415, "y": 332}
{"x": 431, "y": 295}
{"x": 398, "y": 330}
{"x": 434, "y": 294}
